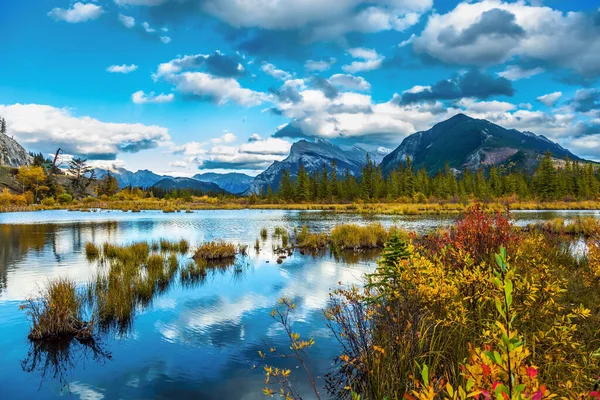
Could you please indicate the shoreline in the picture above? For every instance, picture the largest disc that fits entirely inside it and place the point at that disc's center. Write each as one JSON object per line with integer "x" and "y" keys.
{"x": 356, "y": 208}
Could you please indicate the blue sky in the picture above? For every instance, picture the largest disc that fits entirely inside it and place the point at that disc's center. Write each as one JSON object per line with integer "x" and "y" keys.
{"x": 184, "y": 86}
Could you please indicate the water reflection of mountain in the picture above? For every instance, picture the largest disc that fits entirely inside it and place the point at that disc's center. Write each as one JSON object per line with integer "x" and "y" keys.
{"x": 49, "y": 241}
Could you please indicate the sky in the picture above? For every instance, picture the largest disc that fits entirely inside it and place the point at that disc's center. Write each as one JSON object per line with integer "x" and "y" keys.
{"x": 187, "y": 86}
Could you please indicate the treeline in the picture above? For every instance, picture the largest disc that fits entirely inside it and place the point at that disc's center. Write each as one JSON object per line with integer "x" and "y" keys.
{"x": 569, "y": 181}
{"x": 183, "y": 194}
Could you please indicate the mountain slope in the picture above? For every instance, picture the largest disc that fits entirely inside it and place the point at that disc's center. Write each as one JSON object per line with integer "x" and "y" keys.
{"x": 187, "y": 183}
{"x": 233, "y": 182}
{"x": 470, "y": 143}
{"x": 142, "y": 178}
{"x": 313, "y": 155}
{"x": 12, "y": 154}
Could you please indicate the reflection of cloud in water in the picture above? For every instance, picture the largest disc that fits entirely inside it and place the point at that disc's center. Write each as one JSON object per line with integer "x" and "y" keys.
{"x": 308, "y": 281}
{"x": 85, "y": 392}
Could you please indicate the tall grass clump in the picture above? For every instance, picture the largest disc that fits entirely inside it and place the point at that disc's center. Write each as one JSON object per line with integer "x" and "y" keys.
{"x": 215, "y": 250}
{"x": 264, "y": 234}
{"x": 311, "y": 241}
{"x": 180, "y": 246}
{"x": 352, "y": 236}
{"x": 57, "y": 312}
{"x": 92, "y": 252}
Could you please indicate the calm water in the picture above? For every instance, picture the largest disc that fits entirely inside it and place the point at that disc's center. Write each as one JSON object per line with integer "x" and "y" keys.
{"x": 193, "y": 342}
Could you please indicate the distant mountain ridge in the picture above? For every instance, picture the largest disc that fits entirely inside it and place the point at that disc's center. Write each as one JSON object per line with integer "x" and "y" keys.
{"x": 168, "y": 183}
{"x": 313, "y": 156}
{"x": 143, "y": 178}
{"x": 468, "y": 143}
{"x": 233, "y": 182}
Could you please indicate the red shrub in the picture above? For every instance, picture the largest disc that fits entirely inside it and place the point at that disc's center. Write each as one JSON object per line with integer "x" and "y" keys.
{"x": 478, "y": 232}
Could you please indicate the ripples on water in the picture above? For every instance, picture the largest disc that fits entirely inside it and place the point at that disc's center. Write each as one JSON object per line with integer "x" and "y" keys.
{"x": 194, "y": 341}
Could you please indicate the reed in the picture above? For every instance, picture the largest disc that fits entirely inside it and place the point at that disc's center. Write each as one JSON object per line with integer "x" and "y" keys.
{"x": 352, "y": 236}
{"x": 57, "y": 312}
{"x": 311, "y": 241}
{"x": 92, "y": 252}
{"x": 215, "y": 250}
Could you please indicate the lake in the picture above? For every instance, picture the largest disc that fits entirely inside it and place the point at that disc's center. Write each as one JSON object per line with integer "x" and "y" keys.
{"x": 199, "y": 341}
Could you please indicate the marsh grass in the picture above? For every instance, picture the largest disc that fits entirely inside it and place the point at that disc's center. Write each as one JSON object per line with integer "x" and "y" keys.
{"x": 579, "y": 226}
{"x": 351, "y": 236}
{"x": 193, "y": 271}
{"x": 311, "y": 241}
{"x": 57, "y": 312}
{"x": 215, "y": 250}
{"x": 92, "y": 252}
{"x": 181, "y": 246}
{"x": 264, "y": 233}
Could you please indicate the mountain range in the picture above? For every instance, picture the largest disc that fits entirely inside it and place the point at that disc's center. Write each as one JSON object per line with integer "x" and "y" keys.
{"x": 461, "y": 141}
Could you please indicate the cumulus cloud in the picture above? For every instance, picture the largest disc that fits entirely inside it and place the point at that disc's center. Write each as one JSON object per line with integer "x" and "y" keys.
{"x": 319, "y": 65}
{"x": 471, "y": 84}
{"x": 128, "y": 22}
{"x": 217, "y": 89}
{"x": 350, "y": 82}
{"x": 586, "y": 100}
{"x": 165, "y": 39}
{"x": 216, "y": 63}
{"x": 354, "y": 117}
{"x": 122, "y": 69}
{"x": 550, "y": 99}
{"x": 215, "y": 82}
{"x": 147, "y": 28}
{"x": 79, "y": 12}
{"x": 140, "y": 97}
{"x": 140, "y": 2}
{"x": 276, "y": 73}
{"x": 515, "y": 72}
{"x": 221, "y": 152}
{"x": 45, "y": 128}
{"x": 370, "y": 60}
{"x": 493, "y": 32}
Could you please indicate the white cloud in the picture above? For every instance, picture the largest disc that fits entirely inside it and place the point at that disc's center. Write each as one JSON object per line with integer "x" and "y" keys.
{"x": 280, "y": 74}
{"x": 550, "y": 99}
{"x": 147, "y": 28}
{"x": 407, "y": 41}
{"x": 140, "y": 97}
{"x": 45, "y": 128}
{"x": 221, "y": 153}
{"x": 492, "y": 32}
{"x": 514, "y": 72}
{"x": 178, "y": 164}
{"x": 165, "y": 39}
{"x": 417, "y": 89}
{"x": 79, "y": 12}
{"x": 122, "y": 69}
{"x": 217, "y": 89}
{"x": 140, "y": 2}
{"x": 328, "y": 18}
{"x": 350, "y": 82}
{"x": 371, "y": 60}
{"x": 128, "y": 22}
{"x": 319, "y": 65}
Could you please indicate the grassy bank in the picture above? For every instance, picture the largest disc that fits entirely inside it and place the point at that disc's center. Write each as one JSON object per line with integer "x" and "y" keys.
{"x": 178, "y": 206}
